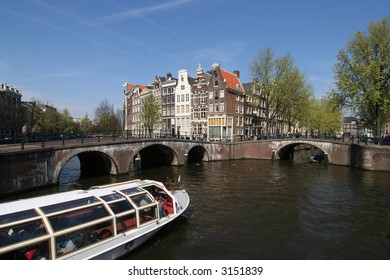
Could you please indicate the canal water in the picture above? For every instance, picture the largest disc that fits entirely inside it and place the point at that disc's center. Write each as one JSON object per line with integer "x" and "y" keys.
{"x": 273, "y": 210}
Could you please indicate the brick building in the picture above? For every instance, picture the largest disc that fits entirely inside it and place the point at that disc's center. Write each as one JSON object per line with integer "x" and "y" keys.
{"x": 13, "y": 113}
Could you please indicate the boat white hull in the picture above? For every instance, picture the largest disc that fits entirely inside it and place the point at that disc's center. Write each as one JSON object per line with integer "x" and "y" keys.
{"x": 106, "y": 222}
{"x": 126, "y": 248}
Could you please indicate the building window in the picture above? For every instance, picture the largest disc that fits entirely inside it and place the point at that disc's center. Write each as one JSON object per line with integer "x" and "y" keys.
{"x": 222, "y": 106}
{"x": 182, "y": 87}
{"x": 203, "y": 98}
{"x": 196, "y": 99}
{"x": 216, "y": 83}
{"x": 196, "y": 113}
{"x": 211, "y": 107}
{"x": 203, "y": 113}
{"x": 216, "y": 94}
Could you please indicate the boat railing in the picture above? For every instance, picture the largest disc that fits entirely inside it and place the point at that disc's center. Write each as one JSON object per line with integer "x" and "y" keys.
{"x": 115, "y": 184}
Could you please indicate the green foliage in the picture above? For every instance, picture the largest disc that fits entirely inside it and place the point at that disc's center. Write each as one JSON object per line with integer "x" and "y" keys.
{"x": 105, "y": 118}
{"x": 86, "y": 125}
{"x": 281, "y": 86}
{"x": 150, "y": 113}
{"x": 363, "y": 75}
{"x": 45, "y": 119}
{"x": 324, "y": 117}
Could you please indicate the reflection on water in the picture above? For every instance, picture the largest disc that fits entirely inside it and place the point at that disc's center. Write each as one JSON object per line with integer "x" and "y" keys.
{"x": 259, "y": 209}
{"x": 70, "y": 174}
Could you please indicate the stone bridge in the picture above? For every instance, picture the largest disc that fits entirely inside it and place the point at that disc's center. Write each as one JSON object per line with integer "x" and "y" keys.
{"x": 32, "y": 167}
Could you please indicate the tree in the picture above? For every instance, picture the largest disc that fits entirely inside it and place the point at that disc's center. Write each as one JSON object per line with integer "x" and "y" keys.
{"x": 105, "y": 118}
{"x": 66, "y": 123}
{"x": 281, "y": 87}
{"x": 324, "y": 117}
{"x": 86, "y": 125}
{"x": 45, "y": 118}
{"x": 297, "y": 94}
{"x": 363, "y": 75}
{"x": 150, "y": 113}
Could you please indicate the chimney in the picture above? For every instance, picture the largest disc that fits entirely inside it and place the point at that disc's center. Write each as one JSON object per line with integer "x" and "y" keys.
{"x": 237, "y": 73}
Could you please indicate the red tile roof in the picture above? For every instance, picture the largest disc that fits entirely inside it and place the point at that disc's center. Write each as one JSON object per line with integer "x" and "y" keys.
{"x": 130, "y": 86}
{"x": 232, "y": 81}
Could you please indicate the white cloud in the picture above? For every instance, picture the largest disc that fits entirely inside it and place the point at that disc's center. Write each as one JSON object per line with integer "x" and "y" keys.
{"x": 57, "y": 75}
{"x": 132, "y": 13}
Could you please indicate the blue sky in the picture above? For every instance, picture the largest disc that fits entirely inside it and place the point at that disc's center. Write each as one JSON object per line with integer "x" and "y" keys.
{"x": 74, "y": 54}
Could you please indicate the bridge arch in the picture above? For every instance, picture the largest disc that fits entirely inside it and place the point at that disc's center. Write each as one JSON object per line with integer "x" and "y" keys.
{"x": 92, "y": 163}
{"x": 155, "y": 155}
{"x": 287, "y": 149}
{"x": 198, "y": 153}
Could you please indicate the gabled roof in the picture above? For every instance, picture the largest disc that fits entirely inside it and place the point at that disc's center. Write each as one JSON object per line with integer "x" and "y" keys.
{"x": 232, "y": 81}
{"x": 131, "y": 86}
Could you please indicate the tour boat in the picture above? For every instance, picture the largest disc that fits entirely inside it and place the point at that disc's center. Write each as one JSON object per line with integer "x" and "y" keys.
{"x": 103, "y": 222}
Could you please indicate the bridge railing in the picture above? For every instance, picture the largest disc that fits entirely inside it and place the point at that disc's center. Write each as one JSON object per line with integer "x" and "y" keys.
{"x": 108, "y": 136}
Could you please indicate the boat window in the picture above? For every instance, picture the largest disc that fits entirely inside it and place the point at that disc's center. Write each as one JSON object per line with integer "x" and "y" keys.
{"x": 152, "y": 189}
{"x": 76, "y": 240}
{"x": 13, "y": 217}
{"x": 141, "y": 199}
{"x": 126, "y": 223}
{"x": 68, "y": 204}
{"x": 74, "y": 218}
{"x": 121, "y": 206}
{"x": 111, "y": 197}
{"x": 148, "y": 214}
{"x": 38, "y": 251}
{"x": 132, "y": 191}
{"x": 17, "y": 233}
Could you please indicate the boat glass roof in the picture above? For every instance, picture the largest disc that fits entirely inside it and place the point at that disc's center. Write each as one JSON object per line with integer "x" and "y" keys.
{"x": 74, "y": 218}
{"x": 110, "y": 197}
{"x": 121, "y": 206}
{"x": 132, "y": 190}
{"x": 13, "y": 217}
{"x": 141, "y": 199}
{"x": 68, "y": 204}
